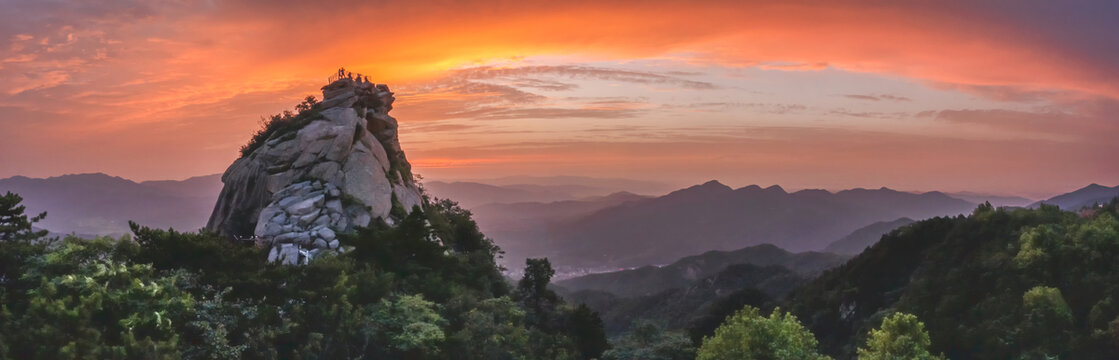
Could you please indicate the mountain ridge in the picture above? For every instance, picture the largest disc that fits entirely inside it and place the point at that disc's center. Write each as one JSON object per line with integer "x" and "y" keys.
{"x": 712, "y": 216}
{"x": 102, "y": 204}
{"x": 649, "y": 280}
{"x": 866, "y": 236}
{"x": 1086, "y": 196}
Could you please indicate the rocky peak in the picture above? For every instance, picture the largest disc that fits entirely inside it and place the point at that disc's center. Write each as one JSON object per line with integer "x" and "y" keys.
{"x": 342, "y": 168}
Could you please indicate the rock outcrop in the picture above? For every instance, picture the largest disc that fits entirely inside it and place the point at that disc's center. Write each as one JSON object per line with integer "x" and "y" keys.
{"x": 302, "y": 187}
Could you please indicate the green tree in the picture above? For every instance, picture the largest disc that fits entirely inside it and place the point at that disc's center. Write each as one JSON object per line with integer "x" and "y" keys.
{"x": 549, "y": 346}
{"x": 215, "y": 326}
{"x": 749, "y": 335}
{"x": 18, "y": 245}
{"x": 1046, "y": 323}
{"x": 89, "y": 306}
{"x": 218, "y": 261}
{"x": 586, "y": 330}
{"x": 533, "y": 291}
{"x": 902, "y": 336}
{"x": 14, "y": 224}
{"x": 410, "y": 325}
{"x": 495, "y": 330}
{"x": 308, "y": 103}
{"x": 648, "y": 341}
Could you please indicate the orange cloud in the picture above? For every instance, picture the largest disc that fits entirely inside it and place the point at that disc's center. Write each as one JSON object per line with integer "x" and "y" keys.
{"x": 406, "y": 41}
{"x": 120, "y": 79}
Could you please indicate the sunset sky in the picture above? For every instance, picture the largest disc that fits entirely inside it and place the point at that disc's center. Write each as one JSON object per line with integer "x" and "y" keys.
{"x": 1008, "y": 97}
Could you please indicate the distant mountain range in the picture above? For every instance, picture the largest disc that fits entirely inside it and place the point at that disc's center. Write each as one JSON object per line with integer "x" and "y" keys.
{"x": 713, "y": 216}
{"x": 1087, "y": 196}
{"x": 995, "y": 200}
{"x": 472, "y": 194}
{"x": 578, "y": 222}
{"x": 99, "y": 204}
{"x": 539, "y": 189}
{"x": 860, "y": 239}
{"x": 521, "y": 228}
{"x": 649, "y": 280}
{"x": 598, "y": 186}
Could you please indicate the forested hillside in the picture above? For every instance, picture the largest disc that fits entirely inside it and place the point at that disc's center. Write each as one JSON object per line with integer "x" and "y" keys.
{"x": 427, "y": 288}
{"x": 701, "y": 304}
{"x": 650, "y": 280}
{"x": 998, "y": 284}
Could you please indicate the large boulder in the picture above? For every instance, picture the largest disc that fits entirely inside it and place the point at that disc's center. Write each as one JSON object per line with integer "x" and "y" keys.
{"x": 301, "y": 188}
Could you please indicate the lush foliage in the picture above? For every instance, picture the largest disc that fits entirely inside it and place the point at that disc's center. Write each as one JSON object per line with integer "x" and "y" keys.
{"x": 494, "y": 329}
{"x": 648, "y": 341}
{"x": 902, "y": 336}
{"x": 998, "y": 284}
{"x": 83, "y": 305}
{"x": 749, "y": 335}
{"x": 427, "y": 288}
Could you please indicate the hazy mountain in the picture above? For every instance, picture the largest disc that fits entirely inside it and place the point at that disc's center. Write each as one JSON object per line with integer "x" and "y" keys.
{"x": 649, "y": 280}
{"x": 860, "y": 239}
{"x": 598, "y": 185}
{"x": 713, "y": 216}
{"x": 521, "y": 189}
{"x": 204, "y": 186}
{"x": 519, "y": 227}
{"x": 471, "y": 194}
{"x": 996, "y": 200}
{"x": 1086, "y": 196}
{"x": 99, "y": 204}
{"x": 573, "y": 191}
{"x": 526, "y": 215}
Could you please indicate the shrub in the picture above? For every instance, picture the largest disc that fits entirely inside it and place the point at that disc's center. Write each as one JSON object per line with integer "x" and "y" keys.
{"x": 283, "y": 123}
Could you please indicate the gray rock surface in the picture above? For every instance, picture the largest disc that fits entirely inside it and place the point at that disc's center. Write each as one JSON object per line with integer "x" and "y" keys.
{"x": 299, "y": 191}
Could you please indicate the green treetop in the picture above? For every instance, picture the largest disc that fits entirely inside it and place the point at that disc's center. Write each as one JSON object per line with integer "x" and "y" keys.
{"x": 902, "y": 336}
{"x": 749, "y": 335}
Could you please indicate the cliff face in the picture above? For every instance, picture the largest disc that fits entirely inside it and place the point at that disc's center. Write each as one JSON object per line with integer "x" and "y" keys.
{"x": 300, "y": 188}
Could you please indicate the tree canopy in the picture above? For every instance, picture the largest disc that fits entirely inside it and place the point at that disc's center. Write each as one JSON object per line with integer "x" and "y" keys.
{"x": 749, "y": 335}
{"x": 902, "y": 336}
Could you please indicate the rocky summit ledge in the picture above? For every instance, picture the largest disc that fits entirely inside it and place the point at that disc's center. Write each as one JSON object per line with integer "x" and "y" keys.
{"x": 301, "y": 188}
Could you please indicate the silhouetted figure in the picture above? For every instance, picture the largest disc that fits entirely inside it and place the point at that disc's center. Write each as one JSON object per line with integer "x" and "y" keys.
{"x": 341, "y": 73}
{"x": 350, "y": 75}
{"x": 359, "y": 81}
{"x": 367, "y": 78}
